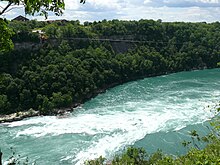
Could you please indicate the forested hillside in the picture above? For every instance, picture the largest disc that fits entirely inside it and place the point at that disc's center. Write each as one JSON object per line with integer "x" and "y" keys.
{"x": 63, "y": 71}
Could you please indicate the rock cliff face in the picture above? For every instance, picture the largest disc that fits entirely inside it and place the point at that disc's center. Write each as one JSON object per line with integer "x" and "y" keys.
{"x": 122, "y": 47}
{"x": 118, "y": 45}
{"x": 27, "y": 45}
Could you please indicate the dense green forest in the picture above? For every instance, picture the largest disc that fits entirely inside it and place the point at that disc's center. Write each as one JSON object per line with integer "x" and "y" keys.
{"x": 63, "y": 71}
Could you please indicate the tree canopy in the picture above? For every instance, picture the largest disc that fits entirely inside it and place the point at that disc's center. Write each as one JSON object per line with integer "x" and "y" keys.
{"x": 62, "y": 71}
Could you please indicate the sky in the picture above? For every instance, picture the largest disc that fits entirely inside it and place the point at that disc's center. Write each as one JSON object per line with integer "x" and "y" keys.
{"x": 166, "y": 10}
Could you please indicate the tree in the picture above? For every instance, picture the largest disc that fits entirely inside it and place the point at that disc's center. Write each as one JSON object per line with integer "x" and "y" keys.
{"x": 37, "y": 6}
{"x": 51, "y": 30}
{"x": 0, "y": 157}
{"x": 5, "y": 36}
{"x": 31, "y": 7}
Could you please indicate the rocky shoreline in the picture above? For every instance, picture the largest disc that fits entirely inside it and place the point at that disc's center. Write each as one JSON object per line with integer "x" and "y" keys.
{"x": 18, "y": 116}
{"x": 32, "y": 113}
{"x": 61, "y": 112}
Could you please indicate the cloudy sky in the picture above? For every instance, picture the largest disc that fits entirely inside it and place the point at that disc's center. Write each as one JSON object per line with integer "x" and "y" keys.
{"x": 167, "y": 10}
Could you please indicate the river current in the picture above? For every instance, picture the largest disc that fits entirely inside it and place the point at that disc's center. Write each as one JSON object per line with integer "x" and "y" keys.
{"x": 152, "y": 113}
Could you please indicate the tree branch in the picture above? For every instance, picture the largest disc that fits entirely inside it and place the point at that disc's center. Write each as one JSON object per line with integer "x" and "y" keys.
{"x": 0, "y": 157}
{"x": 6, "y": 7}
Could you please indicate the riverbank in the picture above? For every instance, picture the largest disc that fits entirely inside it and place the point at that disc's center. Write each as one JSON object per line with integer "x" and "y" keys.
{"x": 64, "y": 111}
{"x": 61, "y": 111}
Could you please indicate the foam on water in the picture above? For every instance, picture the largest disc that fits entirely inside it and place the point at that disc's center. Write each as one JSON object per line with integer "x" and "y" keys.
{"x": 127, "y": 114}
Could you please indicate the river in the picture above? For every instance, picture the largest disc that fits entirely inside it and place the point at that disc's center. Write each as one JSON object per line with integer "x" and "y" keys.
{"x": 152, "y": 113}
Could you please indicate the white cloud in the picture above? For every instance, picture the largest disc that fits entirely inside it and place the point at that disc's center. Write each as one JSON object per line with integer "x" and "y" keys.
{"x": 107, "y": 4}
{"x": 167, "y": 10}
{"x": 72, "y": 4}
{"x": 183, "y": 3}
{"x": 208, "y": 1}
{"x": 193, "y": 14}
{"x": 147, "y": 1}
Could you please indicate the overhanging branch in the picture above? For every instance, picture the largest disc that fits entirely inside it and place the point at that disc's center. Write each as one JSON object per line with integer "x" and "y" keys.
{"x": 0, "y": 157}
{"x": 6, "y": 7}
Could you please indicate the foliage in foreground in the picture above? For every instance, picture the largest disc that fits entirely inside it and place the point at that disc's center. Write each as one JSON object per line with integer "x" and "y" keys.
{"x": 16, "y": 159}
{"x": 5, "y": 36}
{"x": 138, "y": 156}
{"x": 210, "y": 155}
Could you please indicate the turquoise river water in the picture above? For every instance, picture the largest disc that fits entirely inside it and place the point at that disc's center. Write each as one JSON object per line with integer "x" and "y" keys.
{"x": 152, "y": 113}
